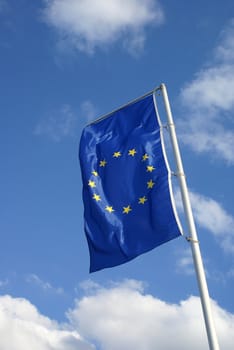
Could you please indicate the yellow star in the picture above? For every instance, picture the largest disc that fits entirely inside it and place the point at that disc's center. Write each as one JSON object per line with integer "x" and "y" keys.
{"x": 91, "y": 183}
{"x": 150, "y": 168}
{"x": 94, "y": 173}
{"x": 96, "y": 197}
{"x": 132, "y": 152}
{"x": 145, "y": 156}
{"x": 116, "y": 154}
{"x": 127, "y": 209}
{"x": 109, "y": 209}
{"x": 142, "y": 200}
{"x": 103, "y": 163}
{"x": 150, "y": 184}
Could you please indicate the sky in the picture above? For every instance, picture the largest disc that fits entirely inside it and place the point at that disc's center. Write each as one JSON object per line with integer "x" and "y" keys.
{"x": 64, "y": 63}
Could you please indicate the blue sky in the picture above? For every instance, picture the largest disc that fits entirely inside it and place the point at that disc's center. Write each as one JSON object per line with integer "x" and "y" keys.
{"x": 63, "y": 64}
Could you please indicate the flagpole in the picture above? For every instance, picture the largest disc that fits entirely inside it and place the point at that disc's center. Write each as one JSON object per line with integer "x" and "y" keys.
{"x": 198, "y": 264}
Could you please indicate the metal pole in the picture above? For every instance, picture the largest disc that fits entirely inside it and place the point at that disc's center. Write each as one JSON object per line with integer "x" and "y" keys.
{"x": 204, "y": 294}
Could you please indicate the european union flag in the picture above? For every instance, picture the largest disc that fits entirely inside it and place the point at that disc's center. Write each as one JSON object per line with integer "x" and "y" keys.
{"x": 128, "y": 204}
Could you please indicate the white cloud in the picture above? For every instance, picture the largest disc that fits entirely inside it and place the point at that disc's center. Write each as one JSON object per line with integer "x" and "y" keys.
{"x": 58, "y": 125}
{"x": 123, "y": 317}
{"x": 119, "y": 317}
{"x": 91, "y": 24}
{"x": 45, "y": 286}
{"x": 212, "y": 90}
{"x": 209, "y": 103}
{"x": 22, "y": 327}
{"x": 210, "y": 214}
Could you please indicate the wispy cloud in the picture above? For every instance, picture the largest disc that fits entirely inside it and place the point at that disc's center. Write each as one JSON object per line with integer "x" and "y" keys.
{"x": 3, "y": 5}
{"x": 91, "y": 24}
{"x": 58, "y": 125}
{"x": 88, "y": 111}
{"x": 185, "y": 263}
{"x": 45, "y": 286}
{"x": 208, "y": 102}
{"x": 231, "y": 273}
{"x": 63, "y": 122}
{"x": 210, "y": 215}
{"x": 4, "y": 283}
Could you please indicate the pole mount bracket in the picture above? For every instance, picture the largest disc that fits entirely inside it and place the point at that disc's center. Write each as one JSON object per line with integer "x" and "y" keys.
{"x": 190, "y": 239}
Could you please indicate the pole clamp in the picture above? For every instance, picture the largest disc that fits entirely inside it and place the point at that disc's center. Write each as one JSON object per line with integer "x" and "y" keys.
{"x": 178, "y": 174}
{"x": 171, "y": 124}
{"x": 190, "y": 239}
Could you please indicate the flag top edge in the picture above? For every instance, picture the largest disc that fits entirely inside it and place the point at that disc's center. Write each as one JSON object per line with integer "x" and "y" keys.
{"x": 104, "y": 116}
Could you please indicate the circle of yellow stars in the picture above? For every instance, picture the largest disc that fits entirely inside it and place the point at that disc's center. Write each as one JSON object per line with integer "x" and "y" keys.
{"x": 103, "y": 163}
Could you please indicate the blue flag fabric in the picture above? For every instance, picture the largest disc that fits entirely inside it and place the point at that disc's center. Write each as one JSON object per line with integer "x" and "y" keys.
{"x": 128, "y": 206}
